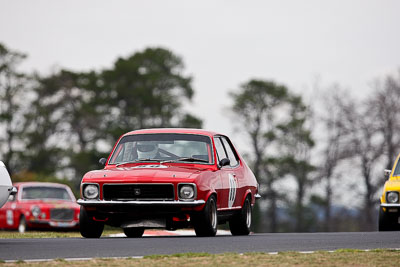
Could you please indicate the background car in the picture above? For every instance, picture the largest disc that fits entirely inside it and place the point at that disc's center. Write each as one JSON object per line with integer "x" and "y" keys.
{"x": 389, "y": 211}
{"x": 169, "y": 178}
{"x": 6, "y": 187}
{"x": 40, "y": 205}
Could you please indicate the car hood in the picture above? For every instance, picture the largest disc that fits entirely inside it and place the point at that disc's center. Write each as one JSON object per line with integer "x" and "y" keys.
{"x": 146, "y": 172}
{"x": 393, "y": 184}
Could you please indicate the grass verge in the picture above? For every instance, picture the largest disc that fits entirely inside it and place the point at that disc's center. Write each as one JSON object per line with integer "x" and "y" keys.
{"x": 344, "y": 257}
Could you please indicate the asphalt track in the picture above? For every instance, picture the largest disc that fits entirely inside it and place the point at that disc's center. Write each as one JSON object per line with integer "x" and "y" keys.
{"x": 67, "y": 248}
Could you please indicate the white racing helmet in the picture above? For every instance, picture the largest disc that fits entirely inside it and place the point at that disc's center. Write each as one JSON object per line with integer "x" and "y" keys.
{"x": 146, "y": 149}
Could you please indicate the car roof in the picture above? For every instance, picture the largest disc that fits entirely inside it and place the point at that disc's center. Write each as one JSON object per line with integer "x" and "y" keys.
{"x": 173, "y": 130}
{"x": 40, "y": 184}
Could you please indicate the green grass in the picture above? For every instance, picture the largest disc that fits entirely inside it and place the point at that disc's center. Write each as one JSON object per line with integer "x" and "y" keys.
{"x": 179, "y": 255}
{"x": 343, "y": 257}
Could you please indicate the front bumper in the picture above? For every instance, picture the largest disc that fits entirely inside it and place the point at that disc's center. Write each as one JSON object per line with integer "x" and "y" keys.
{"x": 390, "y": 205}
{"x": 174, "y": 203}
{"x": 391, "y": 208}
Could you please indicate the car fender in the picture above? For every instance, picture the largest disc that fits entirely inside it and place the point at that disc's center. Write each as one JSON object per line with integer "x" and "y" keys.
{"x": 245, "y": 195}
{"x": 207, "y": 196}
{"x": 207, "y": 183}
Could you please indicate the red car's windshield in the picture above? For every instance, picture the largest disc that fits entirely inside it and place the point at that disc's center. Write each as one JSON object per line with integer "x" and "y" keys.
{"x": 45, "y": 192}
{"x": 164, "y": 147}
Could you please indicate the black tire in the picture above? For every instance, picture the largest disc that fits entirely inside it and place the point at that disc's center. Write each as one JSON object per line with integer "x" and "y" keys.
{"x": 88, "y": 227}
{"x": 240, "y": 224}
{"x": 205, "y": 222}
{"x": 22, "y": 224}
{"x": 133, "y": 232}
{"x": 386, "y": 223}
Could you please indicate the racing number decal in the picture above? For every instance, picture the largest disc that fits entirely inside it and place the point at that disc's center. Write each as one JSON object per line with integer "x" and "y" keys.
{"x": 232, "y": 190}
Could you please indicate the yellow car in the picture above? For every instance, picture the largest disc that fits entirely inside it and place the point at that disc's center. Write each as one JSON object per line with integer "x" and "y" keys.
{"x": 389, "y": 211}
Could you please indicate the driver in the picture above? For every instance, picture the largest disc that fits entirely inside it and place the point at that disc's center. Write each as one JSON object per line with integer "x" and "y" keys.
{"x": 147, "y": 149}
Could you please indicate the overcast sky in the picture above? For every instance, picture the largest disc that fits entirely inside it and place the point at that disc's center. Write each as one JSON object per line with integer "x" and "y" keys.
{"x": 223, "y": 43}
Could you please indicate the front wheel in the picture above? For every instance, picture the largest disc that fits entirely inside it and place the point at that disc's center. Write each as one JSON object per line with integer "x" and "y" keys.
{"x": 88, "y": 227}
{"x": 385, "y": 222}
{"x": 22, "y": 225}
{"x": 240, "y": 224}
{"x": 133, "y": 232}
{"x": 206, "y": 221}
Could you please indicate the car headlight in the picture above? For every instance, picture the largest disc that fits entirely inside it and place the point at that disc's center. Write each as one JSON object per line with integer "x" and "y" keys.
{"x": 91, "y": 191}
{"x": 392, "y": 197}
{"x": 35, "y": 210}
{"x": 187, "y": 191}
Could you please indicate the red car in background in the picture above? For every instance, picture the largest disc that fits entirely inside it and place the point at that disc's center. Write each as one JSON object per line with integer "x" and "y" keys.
{"x": 40, "y": 205}
{"x": 169, "y": 178}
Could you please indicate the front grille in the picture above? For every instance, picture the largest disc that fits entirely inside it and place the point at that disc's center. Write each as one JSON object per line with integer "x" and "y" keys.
{"x": 138, "y": 192}
{"x": 61, "y": 214}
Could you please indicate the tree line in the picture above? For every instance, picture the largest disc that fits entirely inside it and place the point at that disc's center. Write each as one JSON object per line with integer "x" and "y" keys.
{"x": 61, "y": 124}
{"x": 57, "y": 126}
{"x": 334, "y": 146}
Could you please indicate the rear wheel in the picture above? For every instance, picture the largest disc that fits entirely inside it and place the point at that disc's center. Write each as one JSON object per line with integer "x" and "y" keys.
{"x": 241, "y": 223}
{"x": 134, "y": 232}
{"x": 88, "y": 227}
{"x": 22, "y": 224}
{"x": 206, "y": 221}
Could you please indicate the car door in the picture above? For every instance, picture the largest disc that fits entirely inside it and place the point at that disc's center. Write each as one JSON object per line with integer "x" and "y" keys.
{"x": 227, "y": 198}
{"x": 237, "y": 182}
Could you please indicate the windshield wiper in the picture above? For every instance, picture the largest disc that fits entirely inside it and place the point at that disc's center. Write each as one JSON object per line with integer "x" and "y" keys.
{"x": 189, "y": 159}
{"x": 138, "y": 160}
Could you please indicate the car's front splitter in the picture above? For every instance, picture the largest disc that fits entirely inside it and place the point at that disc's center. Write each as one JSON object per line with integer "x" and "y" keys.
{"x": 175, "y": 203}
{"x": 390, "y": 205}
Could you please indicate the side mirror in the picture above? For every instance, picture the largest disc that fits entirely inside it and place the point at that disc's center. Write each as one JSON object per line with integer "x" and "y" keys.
{"x": 387, "y": 173}
{"x": 102, "y": 161}
{"x": 13, "y": 191}
{"x": 224, "y": 162}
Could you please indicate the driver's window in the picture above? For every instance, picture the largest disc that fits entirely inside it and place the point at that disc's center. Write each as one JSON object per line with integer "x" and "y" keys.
{"x": 125, "y": 153}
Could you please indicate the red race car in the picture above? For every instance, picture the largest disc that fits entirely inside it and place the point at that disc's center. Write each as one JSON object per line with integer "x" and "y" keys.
{"x": 169, "y": 178}
{"x": 40, "y": 206}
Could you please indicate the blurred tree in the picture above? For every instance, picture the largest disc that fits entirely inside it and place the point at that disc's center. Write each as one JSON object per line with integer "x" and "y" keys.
{"x": 295, "y": 147}
{"x": 147, "y": 90}
{"x": 256, "y": 106}
{"x": 362, "y": 141}
{"x": 333, "y": 151}
{"x": 273, "y": 170}
{"x": 76, "y": 118}
{"x": 367, "y": 132}
{"x": 190, "y": 121}
{"x": 63, "y": 122}
{"x": 386, "y": 110}
{"x": 13, "y": 100}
